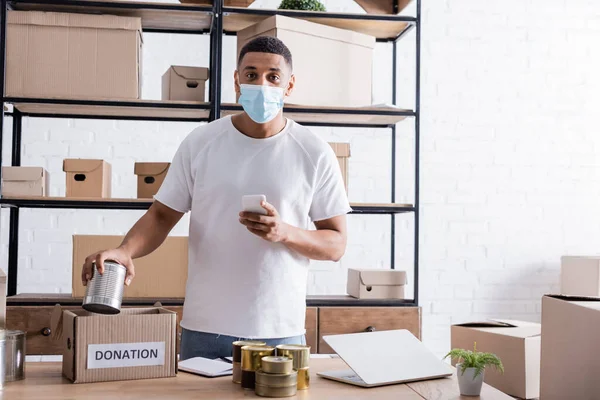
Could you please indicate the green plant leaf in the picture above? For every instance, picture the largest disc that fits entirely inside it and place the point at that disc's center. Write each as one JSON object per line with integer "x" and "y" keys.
{"x": 475, "y": 359}
{"x": 304, "y": 5}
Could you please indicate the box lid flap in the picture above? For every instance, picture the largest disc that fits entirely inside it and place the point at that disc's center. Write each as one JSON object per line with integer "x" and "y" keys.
{"x": 341, "y": 149}
{"x": 190, "y": 73}
{"x": 150, "y": 169}
{"x": 81, "y": 165}
{"x": 308, "y": 28}
{"x": 520, "y": 329}
{"x": 74, "y": 20}
{"x": 382, "y": 277}
{"x": 22, "y": 173}
{"x": 582, "y": 301}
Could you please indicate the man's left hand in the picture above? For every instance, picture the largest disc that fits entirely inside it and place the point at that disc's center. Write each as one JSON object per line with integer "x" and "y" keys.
{"x": 269, "y": 227}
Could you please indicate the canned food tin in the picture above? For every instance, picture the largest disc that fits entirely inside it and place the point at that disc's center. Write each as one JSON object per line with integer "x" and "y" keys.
{"x": 237, "y": 372}
{"x": 299, "y": 353}
{"x": 276, "y": 380}
{"x": 104, "y": 293}
{"x": 276, "y": 365}
{"x": 303, "y": 378}
{"x": 237, "y": 348}
{"x": 281, "y": 391}
{"x": 251, "y": 362}
{"x": 14, "y": 355}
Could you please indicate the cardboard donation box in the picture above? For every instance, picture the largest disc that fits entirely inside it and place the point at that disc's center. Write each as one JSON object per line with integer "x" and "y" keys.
{"x": 162, "y": 273}
{"x": 52, "y": 54}
{"x": 342, "y": 152}
{"x": 24, "y": 181}
{"x": 138, "y": 343}
{"x": 184, "y": 83}
{"x": 150, "y": 177}
{"x": 580, "y": 276}
{"x": 87, "y": 178}
{"x": 517, "y": 343}
{"x": 376, "y": 283}
{"x": 570, "y": 348}
{"x": 316, "y": 48}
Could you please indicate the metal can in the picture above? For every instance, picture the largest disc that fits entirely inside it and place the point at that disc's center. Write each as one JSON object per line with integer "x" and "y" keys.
{"x": 104, "y": 293}
{"x": 237, "y": 348}
{"x": 237, "y": 357}
{"x": 276, "y": 380}
{"x": 276, "y": 365}
{"x": 299, "y": 353}
{"x": 251, "y": 362}
{"x": 303, "y": 378}
{"x": 14, "y": 355}
{"x": 2, "y": 357}
{"x": 275, "y": 391}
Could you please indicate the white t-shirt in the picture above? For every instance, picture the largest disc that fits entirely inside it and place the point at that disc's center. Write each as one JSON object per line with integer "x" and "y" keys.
{"x": 240, "y": 284}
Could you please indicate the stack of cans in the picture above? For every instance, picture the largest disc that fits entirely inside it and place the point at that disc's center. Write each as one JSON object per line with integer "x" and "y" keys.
{"x": 237, "y": 357}
{"x": 251, "y": 362}
{"x": 300, "y": 356}
{"x": 276, "y": 378}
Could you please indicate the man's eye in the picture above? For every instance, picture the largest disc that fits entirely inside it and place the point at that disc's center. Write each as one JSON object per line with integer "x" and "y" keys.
{"x": 250, "y": 76}
{"x": 275, "y": 78}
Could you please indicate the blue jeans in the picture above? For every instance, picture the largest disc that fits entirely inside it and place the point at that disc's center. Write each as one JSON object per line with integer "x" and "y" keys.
{"x": 212, "y": 345}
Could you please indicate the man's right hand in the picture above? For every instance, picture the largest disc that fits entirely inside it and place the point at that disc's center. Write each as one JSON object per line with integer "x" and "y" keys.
{"x": 119, "y": 255}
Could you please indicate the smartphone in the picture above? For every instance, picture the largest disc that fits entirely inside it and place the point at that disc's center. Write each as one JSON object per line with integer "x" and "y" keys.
{"x": 251, "y": 203}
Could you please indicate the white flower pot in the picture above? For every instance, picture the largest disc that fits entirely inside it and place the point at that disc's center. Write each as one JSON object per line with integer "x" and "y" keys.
{"x": 468, "y": 385}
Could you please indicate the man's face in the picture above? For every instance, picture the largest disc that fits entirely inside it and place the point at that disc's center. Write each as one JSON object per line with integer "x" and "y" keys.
{"x": 264, "y": 69}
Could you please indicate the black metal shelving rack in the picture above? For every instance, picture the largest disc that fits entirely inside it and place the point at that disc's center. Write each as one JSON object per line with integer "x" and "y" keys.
{"x": 204, "y": 112}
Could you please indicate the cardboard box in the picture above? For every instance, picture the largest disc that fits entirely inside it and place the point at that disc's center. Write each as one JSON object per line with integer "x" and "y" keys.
{"x": 517, "y": 343}
{"x": 184, "y": 83}
{"x": 88, "y": 178}
{"x": 138, "y": 343}
{"x": 580, "y": 276}
{"x": 24, "y": 181}
{"x": 316, "y": 48}
{"x": 570, "y": 348}
{"x": 150, "y": 177}
{"x": 2, "y": 299}
{"x": 160, "y": 274}
{"x": 73, "y": 55}
{"x": 376, "y": 283}
{"x": 342, "y": 152}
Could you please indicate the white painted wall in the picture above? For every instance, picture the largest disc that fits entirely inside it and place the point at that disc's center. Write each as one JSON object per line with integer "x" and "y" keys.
{"x": 510, "y": 159}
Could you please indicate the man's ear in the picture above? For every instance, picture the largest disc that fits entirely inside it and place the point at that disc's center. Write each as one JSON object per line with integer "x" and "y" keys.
{"x": 236, "y": 85}
{"x": 291, "y": 85}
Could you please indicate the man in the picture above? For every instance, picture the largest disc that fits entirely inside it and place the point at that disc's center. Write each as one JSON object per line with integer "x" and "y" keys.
{"x": 247, "y": 272}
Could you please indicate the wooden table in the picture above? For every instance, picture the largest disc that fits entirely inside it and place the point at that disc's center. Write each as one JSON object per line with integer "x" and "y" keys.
{"x": 44, "y": 381}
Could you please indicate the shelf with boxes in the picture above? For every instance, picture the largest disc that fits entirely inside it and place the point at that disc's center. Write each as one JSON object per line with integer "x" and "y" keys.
{"x": 352, "y": 34}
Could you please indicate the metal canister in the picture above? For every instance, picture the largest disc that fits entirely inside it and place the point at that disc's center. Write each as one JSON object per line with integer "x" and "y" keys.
{"x": 303, "y": 378}
{"x": 14, "y": 355}
{"x": 276, "y": 380}
{"x": 276, "y": 385}
{"x": 300, "y": 354}
{"x": 2, "y": 357}
{"x": 104, "y": 293}
{"x": 237, "y": 357}
{"x": 276, "y": 365}
{"x": 251, "y": 362}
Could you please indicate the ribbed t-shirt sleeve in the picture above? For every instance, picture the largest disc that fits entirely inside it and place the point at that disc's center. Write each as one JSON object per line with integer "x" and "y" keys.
{"x": 176, "y": 190}
{"x": 330, "y": 198}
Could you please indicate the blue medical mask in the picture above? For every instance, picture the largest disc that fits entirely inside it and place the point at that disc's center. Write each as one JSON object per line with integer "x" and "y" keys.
{"x": 262, "y": 103}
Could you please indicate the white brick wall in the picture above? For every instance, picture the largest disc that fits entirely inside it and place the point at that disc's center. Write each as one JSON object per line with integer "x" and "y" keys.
{"x": 510, "y": 159}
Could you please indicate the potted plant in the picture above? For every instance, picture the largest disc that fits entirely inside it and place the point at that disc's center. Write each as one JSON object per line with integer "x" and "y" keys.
{"x": 470, "y": 368}
{"x": 304, "y": 5}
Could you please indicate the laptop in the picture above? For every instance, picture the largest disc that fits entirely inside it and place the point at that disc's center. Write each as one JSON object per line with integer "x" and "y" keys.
{"x": 384, "y": 358}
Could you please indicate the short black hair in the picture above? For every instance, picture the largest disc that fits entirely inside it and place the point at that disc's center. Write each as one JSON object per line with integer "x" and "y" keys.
{"x": 266, "y": 44}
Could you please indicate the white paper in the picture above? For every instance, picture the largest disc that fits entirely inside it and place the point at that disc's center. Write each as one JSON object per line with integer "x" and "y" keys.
{"x": 206, "y": 367}
{"x": 118, "y": 355}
